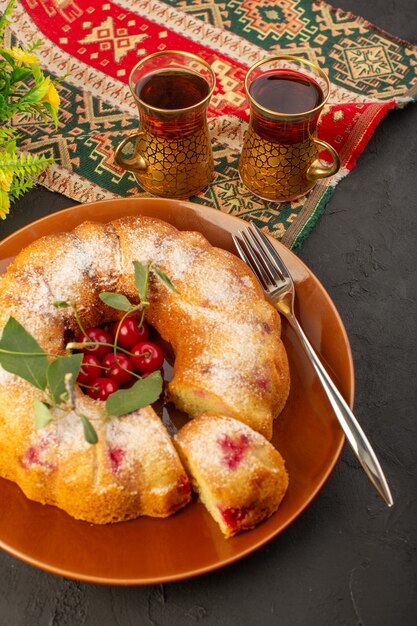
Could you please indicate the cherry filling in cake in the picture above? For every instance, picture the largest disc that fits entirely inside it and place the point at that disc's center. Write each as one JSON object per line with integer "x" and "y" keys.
{"x": 232, "y": 516}
{"x": 233, "y": 449}
{"x": 117, "y": 355}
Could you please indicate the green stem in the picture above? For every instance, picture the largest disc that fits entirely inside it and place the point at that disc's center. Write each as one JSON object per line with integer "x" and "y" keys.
{"x": 142, "y": 317}
{"x": 125, "y": 368}
{"x": 84, "y": 344}
{"x": 28, "y": 353}
{"x": 79, "y": 345}
{"x": 122, "y": 319}
{"x": 85, "y": 386}
{"x": 77, "y": 318}
{"x": 116, "y": 347}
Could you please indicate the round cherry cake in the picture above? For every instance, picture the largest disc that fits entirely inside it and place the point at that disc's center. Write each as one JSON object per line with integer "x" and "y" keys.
{"x": 75, "y": 431}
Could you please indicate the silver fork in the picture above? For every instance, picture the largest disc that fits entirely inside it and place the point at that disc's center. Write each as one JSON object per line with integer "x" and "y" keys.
{"x": 259, "y": 254}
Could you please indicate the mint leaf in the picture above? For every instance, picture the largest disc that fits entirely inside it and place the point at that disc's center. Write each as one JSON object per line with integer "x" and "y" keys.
{"x": 165, "y": 279}
{"x": 90, "y": 434}
{"x": 21, "y": 354}
{"x": 57, "y": 370}
{"x": 143, "y": 392}
{"x": 141, "y": 279}
{"x": 42, "y": 415}
{"x": 115, "y": 300}
{"x": 61, "y": 304}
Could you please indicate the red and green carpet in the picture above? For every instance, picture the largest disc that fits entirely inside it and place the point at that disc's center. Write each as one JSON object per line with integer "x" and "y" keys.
{"x": 95, "y": 43}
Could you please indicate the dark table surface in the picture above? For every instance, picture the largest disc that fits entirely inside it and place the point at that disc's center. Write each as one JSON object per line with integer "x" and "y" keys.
{"x": 347, "y": 559}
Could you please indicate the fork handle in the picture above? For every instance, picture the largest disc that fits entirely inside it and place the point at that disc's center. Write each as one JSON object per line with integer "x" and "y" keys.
{"x": 354, "y": 433}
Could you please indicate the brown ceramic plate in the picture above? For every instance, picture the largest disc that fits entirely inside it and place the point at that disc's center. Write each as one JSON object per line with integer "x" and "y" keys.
{"x": 147, "y": 551}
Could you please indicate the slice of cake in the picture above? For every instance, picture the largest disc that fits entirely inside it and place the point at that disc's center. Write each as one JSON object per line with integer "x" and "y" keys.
{"x": 239, "y": 476}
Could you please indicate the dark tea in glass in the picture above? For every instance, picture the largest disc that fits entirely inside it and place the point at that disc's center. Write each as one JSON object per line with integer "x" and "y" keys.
{"x": 286, "y": 91}
{"x": 172, "y": 89}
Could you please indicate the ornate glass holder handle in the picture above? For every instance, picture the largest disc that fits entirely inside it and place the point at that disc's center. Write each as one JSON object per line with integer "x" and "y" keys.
{"x": 135, "y": 163}
{"x": 318, "y": 169}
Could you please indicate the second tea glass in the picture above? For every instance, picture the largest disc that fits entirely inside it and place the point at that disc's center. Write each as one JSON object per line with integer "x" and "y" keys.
{"x": 280, "y": 155}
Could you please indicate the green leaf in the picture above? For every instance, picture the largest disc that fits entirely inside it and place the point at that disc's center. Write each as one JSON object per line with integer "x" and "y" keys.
{"x": 42, "y": 415}
{"x": 20, "y": 74}
{"x": 8, "y": 57}
{"x": 4, "y": 18}
{"x": 20, "y": 187}
{"x": 61, "y": 304}
{"x": 9, "y": 133}
{"x": 34, "y": 45}
{"x": 143, "y": 392}
{"x": 10, "y": 147}
{"x": 24, "y": 165}
{"x": 141, "y": 279}
{"x": 51, "y": 111}
{"x": 115, "y": 300}
{"x": 37, "y": 92}
{"x": 38, "y": 75}
{"x": 90, "y": 434}
{"x": 57, "y": 370}
{"x": 21, "y": 354}
{"x": 165, "y": 279}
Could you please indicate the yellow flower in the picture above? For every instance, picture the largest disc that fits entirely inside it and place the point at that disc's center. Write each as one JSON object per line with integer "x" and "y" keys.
{"x": 22, "y": 56}
{"x": 5, "y": 180}
{"x": 4, "y": 204}
{"x": 52, "y": 97}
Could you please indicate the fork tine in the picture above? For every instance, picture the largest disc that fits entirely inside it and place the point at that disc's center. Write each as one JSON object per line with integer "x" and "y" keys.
{"x": 273, "y": 255}
{"x": 243, "y": 254}
{"x": 264, "y": 256}
{"x": 262, "y": 267}
{"x": 253, "y": 261}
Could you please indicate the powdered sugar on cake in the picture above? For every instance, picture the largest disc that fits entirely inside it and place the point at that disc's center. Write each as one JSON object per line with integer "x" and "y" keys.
{"x": 139, "y": 431}
{"x": 215, "y": 434}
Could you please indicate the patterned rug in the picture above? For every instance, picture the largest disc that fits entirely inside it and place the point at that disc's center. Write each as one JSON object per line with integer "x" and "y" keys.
{"x": 95, "y": 43}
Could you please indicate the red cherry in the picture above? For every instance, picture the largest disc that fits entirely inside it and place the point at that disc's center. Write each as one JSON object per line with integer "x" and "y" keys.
{"x": 99, "y": 335}
{"x": 116, "y": 366}
{"x": 109, "y": 360}
{"x": 147, "y": 357}
{"x": 102, "y": 388}
{"x": 130, "y": 333}
{"x": 90, "y": 369}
